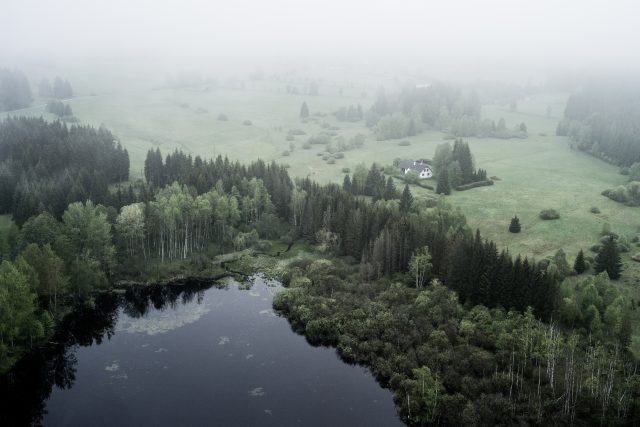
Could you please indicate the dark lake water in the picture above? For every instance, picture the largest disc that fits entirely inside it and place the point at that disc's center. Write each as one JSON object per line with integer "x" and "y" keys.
{"x": 179, "y": 356}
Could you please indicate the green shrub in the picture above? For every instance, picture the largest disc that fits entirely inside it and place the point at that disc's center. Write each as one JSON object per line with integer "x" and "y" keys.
{"x": 474, "y": 185}
{"x": 346, "y": 170}
{"x": 247, "y": 123}
{"x": 222, "y": 117}
{"x": 290, "y": 137}
{"x": 306, "y": 145}
{"x": 331, "y": 161}
{"x": 286, "y": 153}
{"x": 594, "y": 210}
{"x": 404, "y": 143}
{"x": 549, "y": 214}
{"x": 339, "y": 155}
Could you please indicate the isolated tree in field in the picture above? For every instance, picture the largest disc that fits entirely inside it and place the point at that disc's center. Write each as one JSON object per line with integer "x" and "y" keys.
{"x": 406, "y": 200}
{"x": 514, "y": 227}
{"x": 608, "y": 259}
{"x": 304, "y": 110}
{"x": 579, "y": 265}
{"x": 443, "y": 186}
{"x": 420, "y": 266}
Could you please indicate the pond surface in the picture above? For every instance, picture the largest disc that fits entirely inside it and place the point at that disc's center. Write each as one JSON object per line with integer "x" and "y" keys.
{"x": 178, "y": 356}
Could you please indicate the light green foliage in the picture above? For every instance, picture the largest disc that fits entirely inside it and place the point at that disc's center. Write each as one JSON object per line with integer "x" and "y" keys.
{"x": 597, "y": 305}
{"x": 420, "y": 266}
{"x": 89, "y": 233}
{"x": 19, "y": 323}
{"x": 51, "y": 278}
{"x": 130, "y": 227}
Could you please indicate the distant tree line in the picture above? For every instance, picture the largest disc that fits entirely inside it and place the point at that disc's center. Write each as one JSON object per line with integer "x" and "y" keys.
{"x": 15, "y": 91}
{"x": 442, "y": 107}
{"x": 61, "y": 89}
{"x": 59, "y": 109}
{"x": 604, "y": 120}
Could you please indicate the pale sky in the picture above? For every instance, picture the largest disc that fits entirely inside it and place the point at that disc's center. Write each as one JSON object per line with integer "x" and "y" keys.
{"x": 569, "y": 33}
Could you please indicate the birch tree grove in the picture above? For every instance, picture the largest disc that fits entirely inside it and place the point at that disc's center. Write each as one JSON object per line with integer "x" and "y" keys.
{"x": 178, "y": 222}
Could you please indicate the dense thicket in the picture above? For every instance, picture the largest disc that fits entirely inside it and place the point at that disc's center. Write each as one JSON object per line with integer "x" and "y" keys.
{"x": 451, "y": 365}
{"x": 604, "y": 120}
{"x": 15, "y": 91}
{"x": 45, "y": 166}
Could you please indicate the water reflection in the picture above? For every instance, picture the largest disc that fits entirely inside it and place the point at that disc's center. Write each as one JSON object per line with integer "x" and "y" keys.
{"x": 24, "y": 390}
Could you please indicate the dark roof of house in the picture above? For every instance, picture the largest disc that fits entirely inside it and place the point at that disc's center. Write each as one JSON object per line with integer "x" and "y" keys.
{"x": 413, "y": 165}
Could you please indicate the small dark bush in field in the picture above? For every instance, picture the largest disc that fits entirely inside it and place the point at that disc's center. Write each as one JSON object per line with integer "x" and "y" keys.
{"x": 339, "y": 155}
{"x": 495, "y": 178}
{"x": 594, "y": 210}
{"x": 247, "y": 123}
{"x": 290, "y": 137}
{"x": 325, "y": 158}
{"x": 296, "y": 132}
{"x": 549, "y": 214}
{"x": 285, "y": 153}
{"x": 331, "y": 161}
{"x": 596, "y": 248}
{"x": 222, "y": 117}
{"x": 346, "y": 170}
{"x": 404, "y": 143}
{"x": 515, "y": 227}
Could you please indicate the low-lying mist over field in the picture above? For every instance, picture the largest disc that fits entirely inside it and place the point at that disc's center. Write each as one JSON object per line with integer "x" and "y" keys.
{"x": 446, "y": 194}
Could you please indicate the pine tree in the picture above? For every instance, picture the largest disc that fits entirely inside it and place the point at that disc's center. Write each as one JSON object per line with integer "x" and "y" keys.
{"x": 406, "y": 200}
{"x": 579, "y": 266}
{"x": 608, "y": 259}
{"x": 443, "y": 186}
{"x": 304, "y": 110}
{"x": 390, "y": 191}
{"x": 346, "y": 184}
{"x": 515, "y": 227}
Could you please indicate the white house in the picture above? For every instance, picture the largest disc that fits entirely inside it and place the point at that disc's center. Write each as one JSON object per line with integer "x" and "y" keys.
{"x": 422, "y": 169}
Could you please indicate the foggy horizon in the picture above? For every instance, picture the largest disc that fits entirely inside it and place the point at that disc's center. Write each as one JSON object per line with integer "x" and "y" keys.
{"x": 501, "y": 40}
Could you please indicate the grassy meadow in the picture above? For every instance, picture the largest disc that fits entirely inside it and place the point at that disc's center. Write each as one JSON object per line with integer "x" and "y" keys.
{"x": 540, "y": 172}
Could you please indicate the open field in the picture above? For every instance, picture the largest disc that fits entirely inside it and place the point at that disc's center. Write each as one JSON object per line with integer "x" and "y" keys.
{"x": 536, "y": 173}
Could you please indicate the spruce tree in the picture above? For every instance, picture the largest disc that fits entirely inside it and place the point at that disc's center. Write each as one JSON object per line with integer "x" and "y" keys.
{"x": 406, "y": 200}
{"x": 443, "y": 186}
{"x": 346, "y": 184}
{"x": 304, "y": 111}
{"x": 580, "y": 266}
{"x": 608, "y": 259}
{"x": 390, "y": 191}
{"x": 515, "y": 227}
